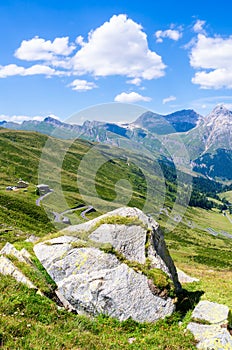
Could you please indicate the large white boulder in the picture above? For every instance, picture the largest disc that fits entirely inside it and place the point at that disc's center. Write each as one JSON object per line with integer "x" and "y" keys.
{"x": 94, "y": 281}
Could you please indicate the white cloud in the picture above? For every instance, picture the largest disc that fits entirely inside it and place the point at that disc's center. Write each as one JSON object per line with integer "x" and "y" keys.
{"x": 212, "y": 57}
{"x": 82, "y": 85}
{"x": 198, "y": 26}
{"x": 216, "y": 79}
{"x": 134, "y": 81}
{"x": 22, "y": 118}
{"x": 13, "y": 69}
{"x": 131, "y": 97}
{"x": 19, "y": 118}
{"x": 118, "y": 47}
{"x": 169, "y": 33}
{"x": 39, "y": 69}
{"x": 169, "y": 99}
{"x": 40, "y": 49}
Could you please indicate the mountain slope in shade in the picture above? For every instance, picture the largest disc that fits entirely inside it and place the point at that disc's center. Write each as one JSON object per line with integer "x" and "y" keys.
{"x": 216, "y": 165}
{"x": 180, "y": 121}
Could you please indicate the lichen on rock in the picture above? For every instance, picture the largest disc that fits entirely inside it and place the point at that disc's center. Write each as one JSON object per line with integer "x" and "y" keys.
{"x": 116, "y": 281}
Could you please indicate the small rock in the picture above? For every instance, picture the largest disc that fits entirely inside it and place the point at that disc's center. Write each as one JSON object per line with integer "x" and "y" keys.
{"x": 210, "y": 337}
{"x": 210, "y": 312}
{"x": 32, "y": 239}
{"x": 9, "y": 249}
{"x": 184, "y": 278}
{"x": 131, "y": 340}
{"x": 8, "y": 268}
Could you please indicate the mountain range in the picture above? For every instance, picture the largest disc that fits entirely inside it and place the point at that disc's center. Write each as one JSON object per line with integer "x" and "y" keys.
{"x": 207, "y": 139}
{"x": 179, "y": 121}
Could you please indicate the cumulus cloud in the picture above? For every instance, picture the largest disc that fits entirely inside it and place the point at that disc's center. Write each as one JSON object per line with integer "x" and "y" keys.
{"x": 212, "y": 57}
{"x": 118, "y": 47}
{"x": 216, "y": 79}
{"x": 134, "y": 81}
{"x": 82, "y": 85}
{"x": 13, "y": 69}
{"x": 40, "y": 49}
{"x": 169, "y": 99}
{"x": 10, "y": 70}
{"x": 198, "y": 26}
{"x": 19, "y": 118}
{"x": 172, "y": 34}
{"x": 22, "y": 118}
{"x": 131, "y": 97}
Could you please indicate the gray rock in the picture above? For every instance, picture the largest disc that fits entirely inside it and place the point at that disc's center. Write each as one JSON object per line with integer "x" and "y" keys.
{"x": 94, "y": 282}
{"x": 48, "y": 253}
{"x": 124, "y": 212}
{"x": 64, "y": 302}
{"x": 75, "y": 261}
{"x": 157, "y": 252}
{"x": 211, "y": 337}
{"x": 9, "y": 249}
{"x": 184, "y": 278}
{"x": 25, "y": 254}
{"x": 100, "y": 284}
{"x": 211, "y": 312}
{"x": 32, "y": 239}
{"x": 8, "y": 268}
{"x": 130, "y": 241}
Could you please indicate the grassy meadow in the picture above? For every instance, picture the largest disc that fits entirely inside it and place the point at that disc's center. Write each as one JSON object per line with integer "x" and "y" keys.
{"x": 31, "y": 321}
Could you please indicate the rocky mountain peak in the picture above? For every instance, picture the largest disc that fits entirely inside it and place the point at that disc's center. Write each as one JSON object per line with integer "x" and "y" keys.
{"x": 214, "y": 131}
{"x": 219, "y": 117}
{"x": 220, "y": 109}
{"x": 179, "y": 121}
{"x": 52, "y": 121}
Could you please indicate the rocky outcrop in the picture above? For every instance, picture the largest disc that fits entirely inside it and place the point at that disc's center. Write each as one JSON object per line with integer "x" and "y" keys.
{"x": 150, "y": 233}
{"x": 184, "y": 278}
{"x": 213, "y": 335}
{"x": 130, "y": 245}
{"x": 94, "y": 280}
{"x": 7, "y": 267}
{"x": 22, "y": 255}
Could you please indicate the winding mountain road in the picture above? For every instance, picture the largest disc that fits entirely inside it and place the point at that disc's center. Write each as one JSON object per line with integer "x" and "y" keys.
{"x": 38, "y": 200}
{"x": 59, "y": 217}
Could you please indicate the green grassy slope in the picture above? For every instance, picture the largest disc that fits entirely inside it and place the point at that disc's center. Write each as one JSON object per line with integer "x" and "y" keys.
{"x": 29, "y": 321}
{"x": 116, "y": 182}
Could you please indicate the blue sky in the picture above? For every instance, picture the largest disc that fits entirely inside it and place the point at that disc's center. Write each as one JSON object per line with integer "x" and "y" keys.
{"x": 59, "y": 57}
